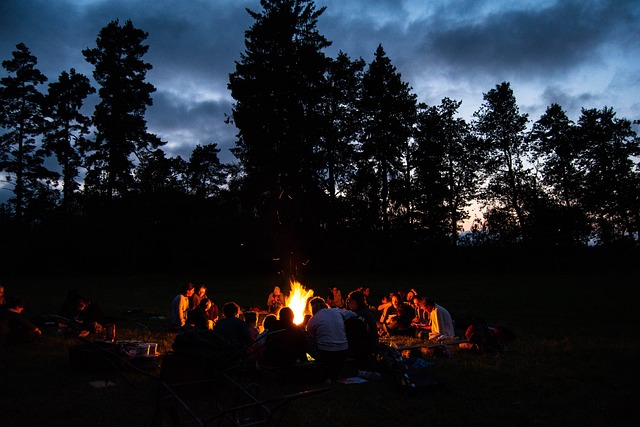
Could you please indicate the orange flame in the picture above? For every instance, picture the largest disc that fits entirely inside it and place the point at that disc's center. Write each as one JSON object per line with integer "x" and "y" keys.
{"x": 297, "y": 301}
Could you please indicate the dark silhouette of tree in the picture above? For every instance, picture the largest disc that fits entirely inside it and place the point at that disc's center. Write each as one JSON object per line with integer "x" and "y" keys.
{"x": 67, "y": 129}
{"x": 555, "y": 151}
{"x": 446, "y": 169}
{"x": 121, "y": 129}
{"x": 501, "y": 129}
{"x": 278, "y": 87}
{"x": 21, "y": 116}
{"x": 159, "y": 174}
{"x": 205, "y": 174}
{"x": 611, "y": 185}
{"x": 388, "y": 111}
{"x": 337, "y": 150}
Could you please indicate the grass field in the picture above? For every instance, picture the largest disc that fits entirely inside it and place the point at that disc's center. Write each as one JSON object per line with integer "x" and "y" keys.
{"x": 574, "y": 362}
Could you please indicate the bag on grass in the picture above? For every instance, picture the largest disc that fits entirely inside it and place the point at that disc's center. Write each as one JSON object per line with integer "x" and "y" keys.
{"x": 480, "y": 337}
{"x": 409, "y": 374}
{"x": 358, "y": 337}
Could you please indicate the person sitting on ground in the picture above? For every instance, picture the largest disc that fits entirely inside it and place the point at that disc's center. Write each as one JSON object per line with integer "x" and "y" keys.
{"x": 368, "y": 300}
{"x": 180, "y": 306}
{"x": 421, "y": 320}
{"x": 385, "y": 302}
{"x": 81, "y": 314}
{"x": 387, "y": 311}
{"x": 334, "y": 300}
{"x": 251, "y": 319}
{"x": 71, "y": 305}
{"x": 231, "y": 326}
{"x": 199, "y": 294}
{"x": 91, "y": 316}
{"x": 397, "y": 318}
{"x": 14, "y": 329}
{"x": 269, "y": 321}
{"x": 362, "y": 332}
{"x": 199, "y": 316}
{"x": 275, "y": 301}
{"x": 327, "y": 335}
{"x": 255, "y": 350}
{"x": 441, "y": 324}
{"x": 286, "y": 344}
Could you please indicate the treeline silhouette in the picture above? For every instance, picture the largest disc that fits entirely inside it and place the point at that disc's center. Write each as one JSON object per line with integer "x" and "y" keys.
{"x": 339, "y": 168}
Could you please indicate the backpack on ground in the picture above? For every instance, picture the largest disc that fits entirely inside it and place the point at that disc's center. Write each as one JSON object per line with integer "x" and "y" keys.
{"x": 481, "y": 338}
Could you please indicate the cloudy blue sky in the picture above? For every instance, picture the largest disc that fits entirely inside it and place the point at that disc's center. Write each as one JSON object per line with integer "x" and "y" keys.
{"x": 578, "y": 53}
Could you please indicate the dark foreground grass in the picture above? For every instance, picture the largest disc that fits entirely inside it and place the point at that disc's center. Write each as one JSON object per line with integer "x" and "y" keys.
{"x": 575, "y": 361}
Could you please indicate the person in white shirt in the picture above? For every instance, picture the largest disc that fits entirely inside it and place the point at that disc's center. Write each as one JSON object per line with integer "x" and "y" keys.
{"x": 180, "y": 306}
{"x": 327, "y": 334}
{"x": 440, "y": 321}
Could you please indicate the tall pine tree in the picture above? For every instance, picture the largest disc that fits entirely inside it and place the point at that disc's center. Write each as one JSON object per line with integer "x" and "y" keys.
{"x": 447, "y": 170}
{"x": 389, "y": 112}
{"x": 21, "y": 116}
{"x": 611, "y": 194}
{"x": 67, "y": 129}
{"x": 121, "y": 128}
{"x": 555, "y": 151}
{"x": 278, "y": 87}
{"x": 501, "y": 129}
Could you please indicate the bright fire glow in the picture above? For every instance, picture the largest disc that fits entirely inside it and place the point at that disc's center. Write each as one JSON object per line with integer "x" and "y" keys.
{"x": 297, "y": 301}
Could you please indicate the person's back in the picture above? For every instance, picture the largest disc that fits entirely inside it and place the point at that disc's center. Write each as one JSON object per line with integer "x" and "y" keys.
{"x": 251, "y": 319}
{"x": 327, "y": 334}
{"x": 357, "y": 303}
{"x": 326, "y": 328}
{"x": 406, "y": 314}
{"x": 286, "y": 344}
{"x": 199, "y": 316}
{"x": 231, "y": 327}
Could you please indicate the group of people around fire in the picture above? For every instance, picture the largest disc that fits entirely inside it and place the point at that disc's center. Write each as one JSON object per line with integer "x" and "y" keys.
{"x": 333, "y": 329}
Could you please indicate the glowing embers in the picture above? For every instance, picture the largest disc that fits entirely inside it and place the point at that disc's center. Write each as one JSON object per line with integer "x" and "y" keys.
{"x": 297, "y": 301}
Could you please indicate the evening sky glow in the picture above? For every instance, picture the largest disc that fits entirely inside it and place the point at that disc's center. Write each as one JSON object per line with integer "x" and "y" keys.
{"x": 582, "y": 53}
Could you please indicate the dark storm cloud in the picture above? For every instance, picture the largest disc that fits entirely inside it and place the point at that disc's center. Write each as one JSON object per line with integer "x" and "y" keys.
{"x": 549, "y": 40}
{"x": 185, "y": 126}
{"x": 192, "y": 48}
{"x": 569, "y": 102}
{"x": 551, "y": 51}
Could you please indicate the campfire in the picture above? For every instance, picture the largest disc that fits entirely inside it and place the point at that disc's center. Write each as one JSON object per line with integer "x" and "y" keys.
{"x": 297, "y": 300}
